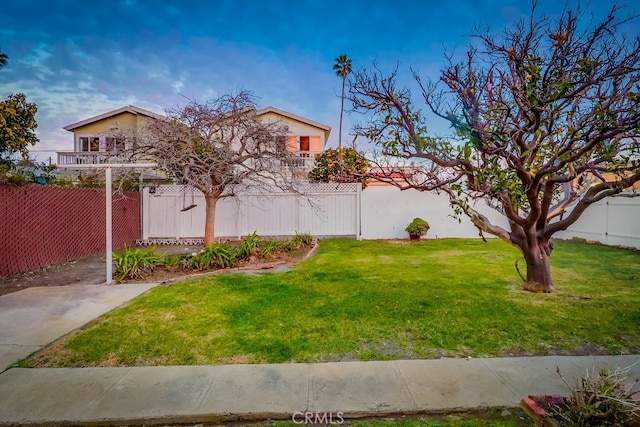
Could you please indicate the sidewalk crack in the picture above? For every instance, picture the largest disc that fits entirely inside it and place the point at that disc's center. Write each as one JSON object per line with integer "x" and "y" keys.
{"x": 406, "y": 385}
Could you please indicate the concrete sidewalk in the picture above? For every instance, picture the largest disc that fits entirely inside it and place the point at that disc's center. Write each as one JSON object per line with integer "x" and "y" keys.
{"x": 341, "y": 390}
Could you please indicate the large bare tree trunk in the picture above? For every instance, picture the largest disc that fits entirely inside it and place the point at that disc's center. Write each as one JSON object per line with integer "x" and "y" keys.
{"x": 537, "y": 256}
{"x": 210, "y": 219}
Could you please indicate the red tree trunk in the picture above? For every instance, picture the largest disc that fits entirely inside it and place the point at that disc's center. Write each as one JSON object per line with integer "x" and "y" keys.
{"x": 537, "y": 257}
{"x": 210, "y": 218}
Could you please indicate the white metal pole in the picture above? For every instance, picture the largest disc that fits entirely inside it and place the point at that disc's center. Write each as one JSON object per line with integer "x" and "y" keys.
{"x": 108, "y": 203}
{"x": 109, "y": 224}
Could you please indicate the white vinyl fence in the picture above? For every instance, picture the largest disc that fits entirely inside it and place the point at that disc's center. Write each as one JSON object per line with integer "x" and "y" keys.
{"x": 614, "y": 221}
{"x": 386, "y": 211}
{"x": 378, "y": 212}
{"x": 325, "y": 210}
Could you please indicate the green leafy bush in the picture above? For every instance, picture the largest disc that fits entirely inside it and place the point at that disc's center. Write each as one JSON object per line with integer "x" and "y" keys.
{"x": 220, "y": 255}
{"x": 417, "y": 227}
{"x": 135, "y": 263}
{"x": 340, "y": 165}
{"x": 247, "y": 246}
{"x": 172, "y": 260}
{"x": 26, "y": 171}
{"x": 288, "y": 245}
{"x": 302, "y": 239}
{"x": 268, "y": 247}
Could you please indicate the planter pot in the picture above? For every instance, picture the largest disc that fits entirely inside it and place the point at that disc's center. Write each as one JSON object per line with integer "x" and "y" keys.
{"x": 532, "y": 405}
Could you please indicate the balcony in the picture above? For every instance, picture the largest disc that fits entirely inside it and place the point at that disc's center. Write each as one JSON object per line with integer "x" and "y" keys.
{"x": 304, "y": 159}
{"x": 89, "y": 158}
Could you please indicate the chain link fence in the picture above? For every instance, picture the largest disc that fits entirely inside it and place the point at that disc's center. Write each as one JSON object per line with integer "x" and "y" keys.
{"x": 48, "y": 225}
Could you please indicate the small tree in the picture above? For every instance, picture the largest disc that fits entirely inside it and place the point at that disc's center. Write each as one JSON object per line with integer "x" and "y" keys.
{"x": 340, "y": 165}
{"x": 547, "y": 123}
{"x": 220, "y": 146}
{"x": 17, "y": 127}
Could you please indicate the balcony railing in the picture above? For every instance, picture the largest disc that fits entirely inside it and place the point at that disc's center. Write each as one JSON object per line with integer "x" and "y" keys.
{"x": 89, "y": 158}
{"x": 304, "y": 159}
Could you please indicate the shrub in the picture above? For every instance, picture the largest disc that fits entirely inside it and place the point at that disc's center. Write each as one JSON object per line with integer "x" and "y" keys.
{"x": 247, "y": 246}
{"x": 302, "y": 239}
{"x": 26, "y": 171}
{"x": 221, "y": 255}
{"x": 287, "y": 245}
{"x": 172, "y": 260}
{"x": 602, "y": 398}
{"x": 135, "y": 263}
{"x": 267, "y": 247}
{"x": 417, "y": 227}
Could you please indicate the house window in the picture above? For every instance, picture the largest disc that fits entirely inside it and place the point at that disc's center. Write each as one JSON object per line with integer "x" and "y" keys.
{"x": 115, "y": 143}
{"x": 93, "y": 143}
{"x": 89, "y": 143}
{"x": 306, "y": 146}
{"x": 281, "y": 143}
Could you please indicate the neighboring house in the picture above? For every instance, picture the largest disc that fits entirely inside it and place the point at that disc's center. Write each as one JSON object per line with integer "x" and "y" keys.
{"x": 101, "y": 138}
{"x": 385, "y": 175}
{"x": 306, "y": 137}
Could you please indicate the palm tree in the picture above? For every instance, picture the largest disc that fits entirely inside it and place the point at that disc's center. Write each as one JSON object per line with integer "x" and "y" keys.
{"x": 3, "y": 59}
{"x": 342, "y": 68}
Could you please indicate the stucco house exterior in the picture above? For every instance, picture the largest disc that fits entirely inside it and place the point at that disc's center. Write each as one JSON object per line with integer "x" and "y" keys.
{"x": 100, "y": 139}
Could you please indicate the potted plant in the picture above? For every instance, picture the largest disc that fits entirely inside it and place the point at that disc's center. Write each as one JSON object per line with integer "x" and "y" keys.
{"x": 417, "y": 228}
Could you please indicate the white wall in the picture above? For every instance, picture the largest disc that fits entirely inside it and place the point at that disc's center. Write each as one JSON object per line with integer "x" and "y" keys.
{"x": 387, "y": 210}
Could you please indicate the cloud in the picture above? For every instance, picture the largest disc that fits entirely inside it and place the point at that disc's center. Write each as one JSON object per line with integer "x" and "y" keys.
{"x": 78, "y": 59}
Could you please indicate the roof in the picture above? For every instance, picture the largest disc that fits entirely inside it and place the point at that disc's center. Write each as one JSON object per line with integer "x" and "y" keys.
{"x": 127, "y": 109}
{"x": 394, "y": 173}
{"x": 137, "y": 110}
{"x": 325, "y": 128}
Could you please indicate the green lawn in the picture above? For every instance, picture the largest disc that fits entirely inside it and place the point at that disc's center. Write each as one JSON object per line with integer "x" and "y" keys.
{"x": 374, "y": 300}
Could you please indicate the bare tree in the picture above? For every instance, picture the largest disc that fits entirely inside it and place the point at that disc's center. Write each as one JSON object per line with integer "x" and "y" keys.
{"x": 219, "y": 147}
{"x": 546, "y": 122}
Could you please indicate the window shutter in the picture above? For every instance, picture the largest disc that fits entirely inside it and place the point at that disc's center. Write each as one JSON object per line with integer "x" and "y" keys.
{"x": 314, "y": 144}
{"x": 292, "y": 143}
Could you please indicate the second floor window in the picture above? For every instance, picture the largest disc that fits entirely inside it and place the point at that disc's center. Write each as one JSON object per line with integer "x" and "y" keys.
{"x": 95, "y": 143}
{"x": 89, "y": 143}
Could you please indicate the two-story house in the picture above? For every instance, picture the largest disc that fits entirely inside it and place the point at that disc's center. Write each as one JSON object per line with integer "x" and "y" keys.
{"x": 100, "y": 139}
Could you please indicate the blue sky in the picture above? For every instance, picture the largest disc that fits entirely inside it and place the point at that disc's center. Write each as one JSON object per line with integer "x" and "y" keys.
{"x": 77, "y": 59}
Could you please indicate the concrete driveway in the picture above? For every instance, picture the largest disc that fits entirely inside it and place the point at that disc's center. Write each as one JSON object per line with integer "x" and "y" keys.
{"x": 34, "y": 317}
